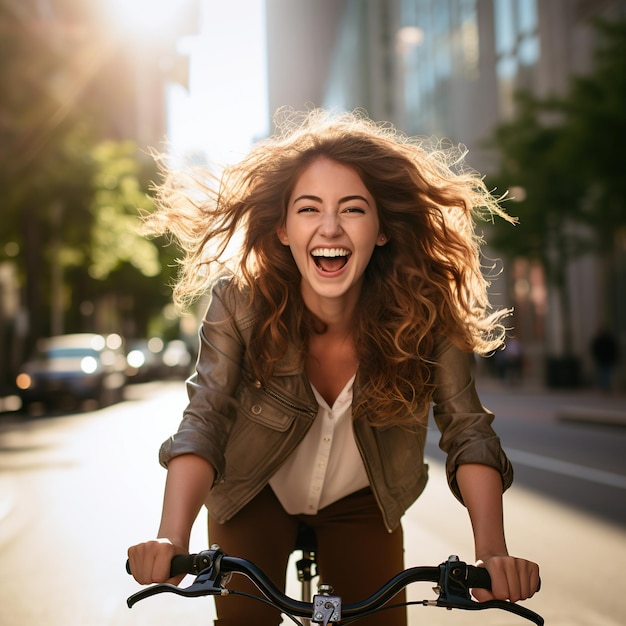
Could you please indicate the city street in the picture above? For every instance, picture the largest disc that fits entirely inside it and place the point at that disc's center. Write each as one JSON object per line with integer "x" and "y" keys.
{"x": 77, "y": 489}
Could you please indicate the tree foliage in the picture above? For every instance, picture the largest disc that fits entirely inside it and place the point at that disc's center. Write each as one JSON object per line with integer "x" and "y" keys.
{"x": 560, "y": 159}
{"x": 566, "y": 156}
{"x": 117, "y": 197}
{"x": 594, "y": 129}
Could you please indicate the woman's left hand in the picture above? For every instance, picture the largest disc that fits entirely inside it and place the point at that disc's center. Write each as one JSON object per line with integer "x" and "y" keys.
{"x": 512, "y": 579}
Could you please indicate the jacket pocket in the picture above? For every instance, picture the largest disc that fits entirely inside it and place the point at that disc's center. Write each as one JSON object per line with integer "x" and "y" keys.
{"x": 261, "y": 408}
{"x": 261, "y": 438}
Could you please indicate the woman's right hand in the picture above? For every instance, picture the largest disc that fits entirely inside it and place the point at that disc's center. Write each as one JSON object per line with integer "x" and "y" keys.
{"x": 150, "y": 561}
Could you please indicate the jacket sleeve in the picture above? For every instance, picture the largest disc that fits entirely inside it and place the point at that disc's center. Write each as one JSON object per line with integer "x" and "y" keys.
{"x": 210, "y": 413}
{"x": 464, "y": 423}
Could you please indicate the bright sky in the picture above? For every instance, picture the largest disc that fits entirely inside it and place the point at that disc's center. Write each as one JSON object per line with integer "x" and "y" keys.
{"x": 226, "y": 106}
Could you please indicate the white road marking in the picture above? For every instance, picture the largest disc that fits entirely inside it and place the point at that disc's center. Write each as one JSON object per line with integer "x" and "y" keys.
{"x": 566, "y": 469}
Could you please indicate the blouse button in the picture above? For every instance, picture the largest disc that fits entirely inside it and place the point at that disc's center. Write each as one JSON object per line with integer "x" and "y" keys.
{"x": 256, "y": 409}
{"x": 258, "y": 384}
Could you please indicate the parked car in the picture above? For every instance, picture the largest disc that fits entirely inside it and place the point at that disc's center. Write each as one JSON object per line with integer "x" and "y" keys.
{"x": 145, "y": 359}
{"x": 74, "y": 367}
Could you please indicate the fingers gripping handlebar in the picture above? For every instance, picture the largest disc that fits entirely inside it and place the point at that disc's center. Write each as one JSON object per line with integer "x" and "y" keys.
{"x": 453, "y": 580}
{"x": 211, "y": 580}
{"x": 186, "y": 563}
{"x": 459, "y": 578}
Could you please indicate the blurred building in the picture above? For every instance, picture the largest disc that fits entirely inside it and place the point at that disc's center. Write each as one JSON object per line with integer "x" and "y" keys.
{"x": 302, "y": 38}
{"x": 124, "y": 65}
{"x": 449, "y": 68}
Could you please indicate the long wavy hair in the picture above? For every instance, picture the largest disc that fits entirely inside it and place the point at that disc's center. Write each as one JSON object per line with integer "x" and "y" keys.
{"x": 426, "y": 283}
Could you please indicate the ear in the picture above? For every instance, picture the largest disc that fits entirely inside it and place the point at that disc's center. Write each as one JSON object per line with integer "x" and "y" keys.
{"x": 282, "y": 235}
{"x": 382, "y": 239}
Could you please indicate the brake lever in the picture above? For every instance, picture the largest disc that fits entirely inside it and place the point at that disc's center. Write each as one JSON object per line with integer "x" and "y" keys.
{"x": 517, "y": 609}
{"x": 452, "y": 588}
{"x": 454, "y": 593}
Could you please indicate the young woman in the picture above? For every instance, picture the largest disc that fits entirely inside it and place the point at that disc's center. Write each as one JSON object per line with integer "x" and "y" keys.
{"x": 351, "y": 304}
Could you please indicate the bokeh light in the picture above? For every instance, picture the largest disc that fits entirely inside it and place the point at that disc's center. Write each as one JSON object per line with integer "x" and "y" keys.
{"x": 145, "y": 19}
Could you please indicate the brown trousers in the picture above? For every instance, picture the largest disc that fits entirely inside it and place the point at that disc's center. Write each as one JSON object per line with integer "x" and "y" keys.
{"x": 355, "y": 554}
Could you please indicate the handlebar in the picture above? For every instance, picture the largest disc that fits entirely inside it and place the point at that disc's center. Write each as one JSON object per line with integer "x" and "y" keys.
{"x": 453, "y": 579}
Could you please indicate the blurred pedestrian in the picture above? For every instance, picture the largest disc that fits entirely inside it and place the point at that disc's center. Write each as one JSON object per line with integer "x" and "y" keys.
{"x": 513, "y": 361}
{"x": 355, "y": 300}
{"x": 605, "y": 353}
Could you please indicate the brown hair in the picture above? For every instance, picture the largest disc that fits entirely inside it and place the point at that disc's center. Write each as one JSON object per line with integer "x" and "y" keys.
{"x": 424, "y": 284}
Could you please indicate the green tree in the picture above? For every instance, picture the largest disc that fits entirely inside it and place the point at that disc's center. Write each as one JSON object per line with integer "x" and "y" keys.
{"x": 595, "y": 124}
{"x": 595, "y": 127}
{"x": 117, "y": 260}
{"x": 561, "y": 159}
{"x": 117, "y": 198}
{"x": 544, "y": 196}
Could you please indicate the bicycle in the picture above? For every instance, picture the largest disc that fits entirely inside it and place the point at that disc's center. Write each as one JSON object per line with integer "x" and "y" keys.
{"x": 453, "y": 579}
{"x": 306, "y": 566}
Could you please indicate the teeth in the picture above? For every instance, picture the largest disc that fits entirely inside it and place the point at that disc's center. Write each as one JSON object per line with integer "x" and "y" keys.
{"x": 330, "y": 252}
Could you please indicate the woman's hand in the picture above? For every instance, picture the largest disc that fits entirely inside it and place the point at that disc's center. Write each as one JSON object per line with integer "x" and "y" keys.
{"x": 512, "y": 579}
{"x": 150, "y": 561}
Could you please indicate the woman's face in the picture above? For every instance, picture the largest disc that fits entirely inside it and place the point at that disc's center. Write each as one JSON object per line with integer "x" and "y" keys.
{"x": 331, "y": 228}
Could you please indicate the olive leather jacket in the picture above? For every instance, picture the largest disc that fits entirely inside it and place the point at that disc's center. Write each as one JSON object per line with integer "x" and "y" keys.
{"x": 246, "y": 429}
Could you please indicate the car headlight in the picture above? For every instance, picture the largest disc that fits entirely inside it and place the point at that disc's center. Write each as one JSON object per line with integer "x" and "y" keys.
{"x": 136, "y": 358}
{"x": 89, "y": 365}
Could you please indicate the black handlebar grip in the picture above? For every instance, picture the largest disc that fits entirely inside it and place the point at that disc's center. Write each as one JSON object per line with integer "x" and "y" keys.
{"x": 478, "y": 577}
{"x": 181, "y": 564}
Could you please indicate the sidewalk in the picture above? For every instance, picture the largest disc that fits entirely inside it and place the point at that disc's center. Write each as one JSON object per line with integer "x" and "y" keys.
{"x": 585, "y": 405}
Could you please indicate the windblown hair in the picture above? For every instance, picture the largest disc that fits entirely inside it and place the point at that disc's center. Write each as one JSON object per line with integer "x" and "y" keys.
{"x": 424, "y": 284}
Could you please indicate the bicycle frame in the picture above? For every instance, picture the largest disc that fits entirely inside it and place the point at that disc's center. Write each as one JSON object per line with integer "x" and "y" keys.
{"x": 306, "y": 567}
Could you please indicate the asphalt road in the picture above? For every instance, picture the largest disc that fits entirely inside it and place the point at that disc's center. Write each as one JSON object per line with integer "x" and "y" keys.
{"x": 76, "y": 490}
{"x": 579, "y": 461}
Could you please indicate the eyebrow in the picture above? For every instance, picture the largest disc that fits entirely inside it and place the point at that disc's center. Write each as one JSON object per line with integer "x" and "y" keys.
{"x": 341, "y": 201}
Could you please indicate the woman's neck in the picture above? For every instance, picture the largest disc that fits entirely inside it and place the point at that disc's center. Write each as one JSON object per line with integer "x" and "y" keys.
{"x": 337, "y": 314}
{"x": 331, "y": 361}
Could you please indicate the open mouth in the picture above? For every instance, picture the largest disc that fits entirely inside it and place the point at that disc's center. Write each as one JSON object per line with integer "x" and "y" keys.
{"x": 330, "y": 259}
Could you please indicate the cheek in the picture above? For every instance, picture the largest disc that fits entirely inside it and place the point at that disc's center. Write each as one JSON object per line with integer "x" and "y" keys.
{"x": 297, "y": 247}
{"x": 369, "y": 237}
{"x": 300, "y": 257}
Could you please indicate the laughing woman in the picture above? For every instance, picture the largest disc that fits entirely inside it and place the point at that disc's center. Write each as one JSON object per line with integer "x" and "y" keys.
{"x": 352, "y": 303}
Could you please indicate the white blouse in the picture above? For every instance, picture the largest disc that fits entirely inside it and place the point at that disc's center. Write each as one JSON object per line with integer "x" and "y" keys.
{"x": 327, "y": 465}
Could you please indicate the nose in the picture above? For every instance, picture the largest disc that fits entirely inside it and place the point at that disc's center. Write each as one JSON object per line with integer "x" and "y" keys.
{"x": 330, "y": 225}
